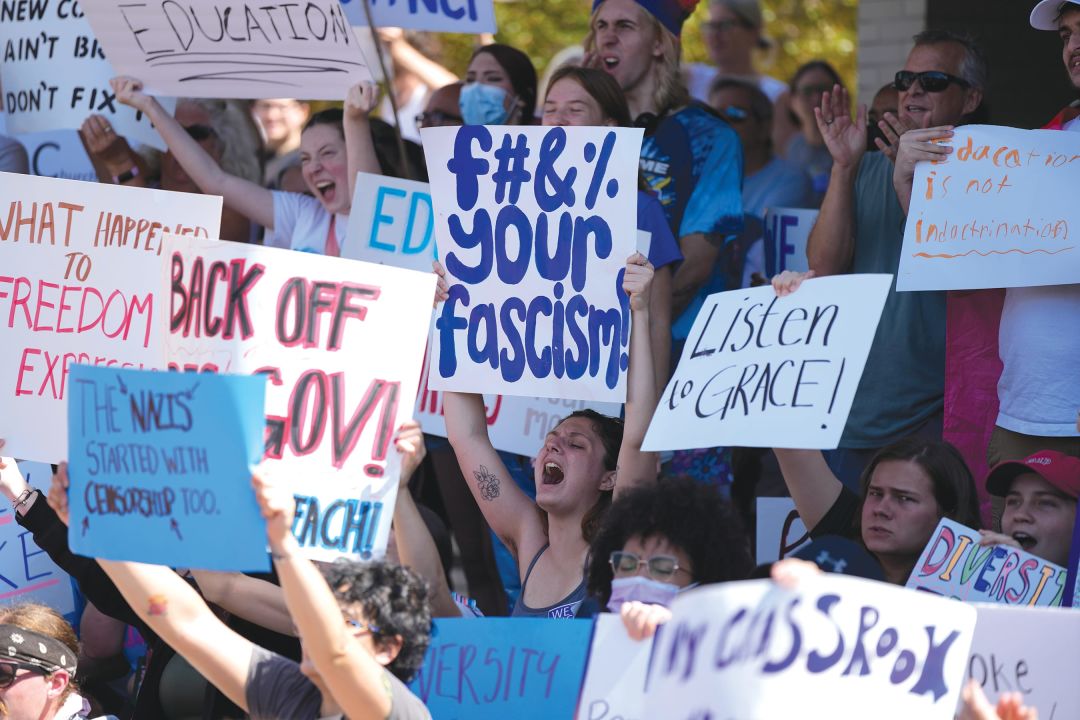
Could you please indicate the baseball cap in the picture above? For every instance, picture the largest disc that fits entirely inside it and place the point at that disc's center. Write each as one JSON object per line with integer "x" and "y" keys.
{"x": 1044, "y": 16}
{"x": 1060, "y": 470}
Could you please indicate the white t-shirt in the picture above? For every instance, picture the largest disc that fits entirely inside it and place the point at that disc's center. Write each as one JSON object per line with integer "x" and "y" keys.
{"x": 699, "y": 77}
{"x": 1039, "y": 344}
{"x": 301, "y": 223}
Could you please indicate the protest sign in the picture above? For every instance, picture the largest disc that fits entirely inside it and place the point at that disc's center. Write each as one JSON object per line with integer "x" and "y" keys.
{"x": 836, "y": 647}
{"x": 955, "y": 565}
{"x": 534, "y": 226}
{"x": 27, "y": 574}
{"x": 458, "y": 16}
{"x": 787, "y": 231}
{"x": 341, "y": 343}
{"x": 54, "y": 73}
{"x": 614, "y": 686}
{"x": 780, "y": 530}
{"x": 58, "y": 154}
{"x": 79, "y": 275}
{"x": 391, "y": 223}
{"x": 166, "y": 458}
{"x": 1072, "y": 584}
{"x": 227, "y": 48}
{"x": 1030, "y": 651}
{"x": 764, "y": 371}
{"x": 520, "y": 668}
{"x": 996, "y": 213}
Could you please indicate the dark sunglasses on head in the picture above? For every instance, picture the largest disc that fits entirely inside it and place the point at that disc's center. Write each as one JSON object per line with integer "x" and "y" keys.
{"x": 8, "y": 672}
{"x": 734, "y": 113}
{"x": 200, "y": 132}
{"x": 931, "y": 80}
{"x": 436, "y": 118}
{"x": 661, "y": 567}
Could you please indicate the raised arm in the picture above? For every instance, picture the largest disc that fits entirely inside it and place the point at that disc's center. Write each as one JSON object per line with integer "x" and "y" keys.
{"x": 246, "y": 597}
{"x": 831, "y": 245}
{"x": 408, "y": 57}
{"x": 353, "y": 676}
{"x": 247, "y": 198}
{"x": 635, "y": 466}
{"x": 359, "y": 146}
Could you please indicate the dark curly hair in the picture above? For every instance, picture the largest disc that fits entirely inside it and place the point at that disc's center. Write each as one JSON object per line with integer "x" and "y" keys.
{"x": 394, "y": 599}
{"x": 691, "y": 515}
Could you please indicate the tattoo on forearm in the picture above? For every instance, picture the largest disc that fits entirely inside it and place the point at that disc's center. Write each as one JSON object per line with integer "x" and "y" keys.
{"x": 487, "y": 483}
{"x": 158, "y": 605}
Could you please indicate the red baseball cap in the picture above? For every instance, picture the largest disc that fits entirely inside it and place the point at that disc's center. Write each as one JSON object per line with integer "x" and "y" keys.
{"x": 1060, "y": 470}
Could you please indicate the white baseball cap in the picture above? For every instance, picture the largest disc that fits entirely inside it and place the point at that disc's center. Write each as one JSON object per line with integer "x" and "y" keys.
{"x": 1045, "y": 15}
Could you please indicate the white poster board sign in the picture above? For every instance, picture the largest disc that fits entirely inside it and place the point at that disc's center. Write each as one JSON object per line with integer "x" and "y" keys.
{"x": 342, "y": 344}
{"x": 1030, "y": 651}
{"x": 534, "y": 226}
{"x": 459, "y": 16}
{"x": 764, "y": 371}
{"x": 1000, "y": 211}
{"x": 79, "y": 268}
{"x": 54, "y": 73}
{"x": 231, "y": 49}
{"x": 614, "y": 684}
{"x": 837, "y": 647}
{"x": 780, "y": 530}
{"x": 787, "y": 230}
{"x": 58, "y": 154}
{"x": 391, "y": 223}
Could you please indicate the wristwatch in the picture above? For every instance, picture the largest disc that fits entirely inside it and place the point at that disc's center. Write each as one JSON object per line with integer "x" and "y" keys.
{"x": 126, "y": 175}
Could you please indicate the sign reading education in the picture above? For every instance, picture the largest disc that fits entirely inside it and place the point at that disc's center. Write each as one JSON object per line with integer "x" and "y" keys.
{"x": 392, "y": 223}
{"x": 341, "y": 343}
{"x": 955, "y": 565}
{"x": 614, "y": 686}
{"x": 764, "y": 371}
{"x": 54, "y": 73}
{"x": 79, "y": 275}
{"x": 837, "y": 646}
{"x": 166, "y": 458}
{"x": 459, "y": 16}
{"x": 503, "y": 668}
{"x": 534, "y": 226}
{"x": 1000, "y": 211}
{"x": 227, "y": 48}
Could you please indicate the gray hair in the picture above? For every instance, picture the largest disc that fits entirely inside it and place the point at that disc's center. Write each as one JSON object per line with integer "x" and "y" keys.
{"x": 973, "y": 69}
{"x": 237, "y": 136}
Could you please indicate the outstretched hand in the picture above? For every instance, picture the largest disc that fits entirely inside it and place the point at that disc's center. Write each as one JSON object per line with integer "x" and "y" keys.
{"x": 789, "y": 281}
{"x": 278, "y": 507}
{"x": 129, "y": 91}
{"x": 893, "y": 128}
{"x": 637, "y": 281}
{"x": 361, "y": 100}
{"x": 410, "y": 443}
{"x": 844, "y": 136}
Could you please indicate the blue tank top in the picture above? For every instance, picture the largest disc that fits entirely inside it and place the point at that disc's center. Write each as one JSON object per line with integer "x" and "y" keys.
{"x": 565, "y": 608}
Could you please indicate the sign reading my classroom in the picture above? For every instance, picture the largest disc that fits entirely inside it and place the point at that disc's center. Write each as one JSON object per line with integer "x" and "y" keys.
{"x": 232, "y": 49}
{"x": 534, "y": 226}
{"x": 1000, "y": 211}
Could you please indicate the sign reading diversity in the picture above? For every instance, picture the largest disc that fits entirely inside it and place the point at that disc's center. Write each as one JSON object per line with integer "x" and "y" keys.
{"x": 228, "y": 48}
{"x": 460, "y": 16}
{"x": 955, "y": 565}
{"x": 54, "y": 73}
{"x": 392, "y": 223}
{"x": 764, "y": 371}
{"x": 614, "y": 686}
{"x": 838, "y": 646}
{"x": 503, "y": 668}
{"x": 787, "y": 230}
{"x": 79, "y": 275}
{"x": 999, "y": 212}
{"x": 166, "y": 458}
{"x": 341, "y": 343}
{"x": 534, "y": 226}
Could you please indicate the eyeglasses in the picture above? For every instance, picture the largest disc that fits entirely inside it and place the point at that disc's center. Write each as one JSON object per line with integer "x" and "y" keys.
{"x": 661, "y": 567}
{"x": 437, "y": 118}
{"x": 733, "y": 113}
{"x": 8, "y": 671}
{"x": 369, "y": 627}
{"x": 719, "y": 26}
{"x": 931, "y": 81}
{"x": 200, "y": 132}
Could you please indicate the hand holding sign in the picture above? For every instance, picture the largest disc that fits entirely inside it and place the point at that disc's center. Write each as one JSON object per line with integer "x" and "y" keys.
{"x": 637, "y": 281}
{"x": 278, "y": 507}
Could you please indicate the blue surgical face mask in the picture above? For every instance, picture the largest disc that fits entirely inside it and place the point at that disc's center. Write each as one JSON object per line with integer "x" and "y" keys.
{"x": 642, "y": 589}
{"x": 483, "y": 104}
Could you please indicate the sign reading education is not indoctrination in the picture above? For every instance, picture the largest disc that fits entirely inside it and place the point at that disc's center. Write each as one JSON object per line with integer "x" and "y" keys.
{"x": 166, "y": 458}
{"x": 1000, "y": 211}
{"x": 764, "y": 371}
{"x": 227, "y": 48}
{"x": 534, "y": 226}
{"x": 836, "y": 647}
{"x": 459, "y": 16}
{"x": 79, "y": 283}
{"x": 341, "y": 343}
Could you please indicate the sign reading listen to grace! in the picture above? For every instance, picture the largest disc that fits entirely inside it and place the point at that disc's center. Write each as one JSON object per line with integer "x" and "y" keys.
{"x": 835, "y": 647}
{"x": 764, "y": 371}
{"x": 534, "y": 226}
{"x": 460, "y": 16}
{"x": 79, "y": 269}
{"x": 227, "y": 48}
{"x": 341, "y": 343}
{"x": 1000, "y": 211}
{"x": 166, "y": 459}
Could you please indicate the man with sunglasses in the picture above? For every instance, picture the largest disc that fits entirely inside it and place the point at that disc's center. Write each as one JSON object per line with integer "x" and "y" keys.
{"x": 861, "y": 228}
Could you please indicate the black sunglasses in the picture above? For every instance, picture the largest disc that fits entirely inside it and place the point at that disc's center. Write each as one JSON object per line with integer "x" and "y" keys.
{"x": 8, "y": 672}
{"x": 200, "y": 132}
{"x": 931, "y": 80}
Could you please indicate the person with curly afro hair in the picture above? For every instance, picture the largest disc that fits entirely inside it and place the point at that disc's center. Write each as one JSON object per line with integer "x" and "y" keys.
{"x": 659, "y": 539}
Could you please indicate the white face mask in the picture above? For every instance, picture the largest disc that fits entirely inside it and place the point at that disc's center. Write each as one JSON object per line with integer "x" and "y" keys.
{"x": 642, "y": 589}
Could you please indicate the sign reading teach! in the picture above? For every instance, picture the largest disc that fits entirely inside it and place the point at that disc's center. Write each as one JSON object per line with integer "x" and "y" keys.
{"x": 534, "y": 226}
{"x": 1000, "y": 211}
{"x": 341, "y": 343}
{"x": 229, "y": 48}
{"x": 835, "y": 647}
{"x": 79, "y": 269}
{"x": 764, "y": 371}
{"x": 160, "y": 467}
